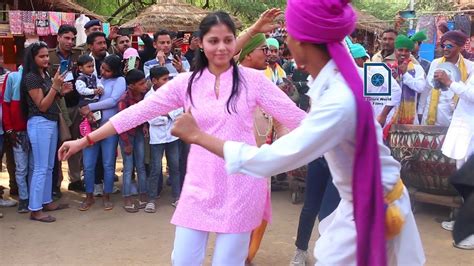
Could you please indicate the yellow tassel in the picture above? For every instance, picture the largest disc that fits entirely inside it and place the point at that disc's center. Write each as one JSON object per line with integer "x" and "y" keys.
{"x": 394, "y": 221}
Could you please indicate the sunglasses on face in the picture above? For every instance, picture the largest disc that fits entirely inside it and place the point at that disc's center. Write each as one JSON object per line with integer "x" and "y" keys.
{"x": 447, "y": 46}
{"x": 264, "y": 49}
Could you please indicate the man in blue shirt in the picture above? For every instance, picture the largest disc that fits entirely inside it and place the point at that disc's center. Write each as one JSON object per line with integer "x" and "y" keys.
{"x": 164, "y": 57}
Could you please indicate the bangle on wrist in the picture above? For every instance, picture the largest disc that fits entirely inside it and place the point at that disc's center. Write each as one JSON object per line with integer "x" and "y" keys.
{"x": 90, "y": 142}
{"x": 57, "y": 90}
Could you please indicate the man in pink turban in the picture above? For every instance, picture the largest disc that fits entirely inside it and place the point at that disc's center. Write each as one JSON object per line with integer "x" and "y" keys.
{"x": 340, "y": 126}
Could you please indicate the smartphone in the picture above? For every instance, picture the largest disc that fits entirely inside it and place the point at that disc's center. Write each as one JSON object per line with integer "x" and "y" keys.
{"x": 97, "y": 116}
{"x": 63, "y": 66}
{"x": 407, "y": 14}
{"x": 131, "y": 62}
{"x": 126, "y": 31}
{"x": 177, "y": 53}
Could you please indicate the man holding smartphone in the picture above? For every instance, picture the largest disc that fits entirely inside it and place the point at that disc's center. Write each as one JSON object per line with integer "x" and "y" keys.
{"x": 65, "y": 55}
{"x": 165, "y": 56}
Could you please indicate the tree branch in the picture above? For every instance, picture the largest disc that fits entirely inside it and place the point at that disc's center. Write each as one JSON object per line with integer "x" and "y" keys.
{"x": 120, "y": 9}
{"x": 206, "y": 5}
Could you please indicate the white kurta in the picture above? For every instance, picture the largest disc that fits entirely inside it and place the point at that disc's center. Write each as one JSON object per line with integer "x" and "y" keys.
{"x": 459, "y": 141}
{"x": 446, "y": 105}
{"x": 329, "y": 130}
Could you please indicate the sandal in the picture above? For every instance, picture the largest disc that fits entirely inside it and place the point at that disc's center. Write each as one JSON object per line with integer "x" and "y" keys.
{"x": 46, "y": 219}
{"x": 150, "y": 207}
{"x": 130, "y": 208}
{"x": 142, "y": 204}
{"x": 108, "y": 205}
{"x": 60, "y": 206}
{"x": 85, "y": 206}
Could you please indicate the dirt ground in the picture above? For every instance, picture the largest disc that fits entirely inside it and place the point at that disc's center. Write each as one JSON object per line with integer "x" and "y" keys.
{"x": 99, "y": 237}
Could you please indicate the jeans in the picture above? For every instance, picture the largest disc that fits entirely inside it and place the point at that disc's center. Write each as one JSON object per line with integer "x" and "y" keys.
{"x": 320, "y": 196}
{"x": 172, "y": 157}
{"x": 108, "y": 148}
{"x": 183, "y": 160}
{"x": 137, "y": 159}
{"x": 43, "y": 134}
{"x": 24, "y": 164}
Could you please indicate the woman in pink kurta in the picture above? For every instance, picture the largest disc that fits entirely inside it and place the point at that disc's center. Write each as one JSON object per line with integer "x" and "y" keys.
{"x": 212, "y": 200}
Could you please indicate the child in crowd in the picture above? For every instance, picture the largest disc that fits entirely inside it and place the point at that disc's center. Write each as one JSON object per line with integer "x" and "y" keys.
{"x": 132, "y": 143}
{"x": 161, "y": 140}
{"x": 131, "y": 60}
{"x": 90, "y": 90}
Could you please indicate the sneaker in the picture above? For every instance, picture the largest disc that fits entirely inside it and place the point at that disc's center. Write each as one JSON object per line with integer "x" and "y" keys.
{"x": 98, "y": 190}
{"x": 7, "y": 203}
{"x": 448, "y": 225}
{"x": 77, "y": 186}
{"x": 115, "y": 190}
{"x": 174, "y": 204}
{"x": 150, "y": 207}
{"x": 23, "y": 206}
{"x": 299, "y": 259}
{"x": 467, "y": 243}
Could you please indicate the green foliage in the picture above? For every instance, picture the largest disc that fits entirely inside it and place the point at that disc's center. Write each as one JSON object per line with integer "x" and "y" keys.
{"x": 384, "y": 10}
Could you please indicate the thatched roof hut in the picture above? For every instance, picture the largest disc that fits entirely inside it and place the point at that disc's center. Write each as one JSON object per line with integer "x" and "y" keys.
{"x": 173, "y": 15}
{"x": 370, "y": 23}
{"x": 55, "y": 5}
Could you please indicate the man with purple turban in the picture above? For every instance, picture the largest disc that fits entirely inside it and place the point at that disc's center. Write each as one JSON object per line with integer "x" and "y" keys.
{"x": 340, "y": 126}
{"x": 438, "y": 109}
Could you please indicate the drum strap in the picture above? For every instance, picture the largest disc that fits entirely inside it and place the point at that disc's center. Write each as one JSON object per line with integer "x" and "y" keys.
{"x": 435, "y": 93}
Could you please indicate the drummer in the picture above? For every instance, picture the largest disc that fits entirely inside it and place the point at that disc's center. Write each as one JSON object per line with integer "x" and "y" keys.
{"x": 411, "y": 78}
{"x": 438, "y": 109}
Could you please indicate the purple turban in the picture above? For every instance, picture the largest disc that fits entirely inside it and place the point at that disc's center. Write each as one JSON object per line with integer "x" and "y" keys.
{"x": 456, "y": 36}
{"x": 328, "y": 22}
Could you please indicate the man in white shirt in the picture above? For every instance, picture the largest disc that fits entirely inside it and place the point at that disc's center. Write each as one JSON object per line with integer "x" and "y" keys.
{"x": 459, "y": 145}
{"x": 162, "y": 141}
{"x": 440, "y": 104}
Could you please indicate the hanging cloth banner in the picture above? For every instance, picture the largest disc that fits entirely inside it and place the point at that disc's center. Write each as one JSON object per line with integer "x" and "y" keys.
{"x": 16, "y": 24}
{"x": 68, "y": 18}
{"x": 42, "y": 23}
{"x": 28, "y": 18}
{"x": 54, "y": 22}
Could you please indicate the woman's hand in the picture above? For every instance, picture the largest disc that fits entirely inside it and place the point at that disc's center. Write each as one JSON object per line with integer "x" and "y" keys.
{"x": 69, "y": 148}
{"x": 266, "y": 22}
{"x": 66, "y": 88}
{"x": 186, "y": 128}
{"x": 84, "y": 110}
{"x": 58, "y": 80}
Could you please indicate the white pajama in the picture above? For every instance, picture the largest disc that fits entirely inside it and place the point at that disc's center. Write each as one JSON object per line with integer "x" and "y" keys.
{"x": 190, "y": 248}
{"x": 329, "y": 130}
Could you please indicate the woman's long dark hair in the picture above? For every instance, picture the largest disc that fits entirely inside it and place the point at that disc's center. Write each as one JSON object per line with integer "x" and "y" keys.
{"x": 200, "y": 60}
{"x": 29, "y": 66}
{"x": 115, "y": 64}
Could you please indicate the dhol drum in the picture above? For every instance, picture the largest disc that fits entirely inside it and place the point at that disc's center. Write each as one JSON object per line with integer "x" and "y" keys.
{"x": 424, "y": 167}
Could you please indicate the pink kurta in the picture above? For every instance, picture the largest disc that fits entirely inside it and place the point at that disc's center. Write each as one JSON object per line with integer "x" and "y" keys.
{"x": 212, "y": 200}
